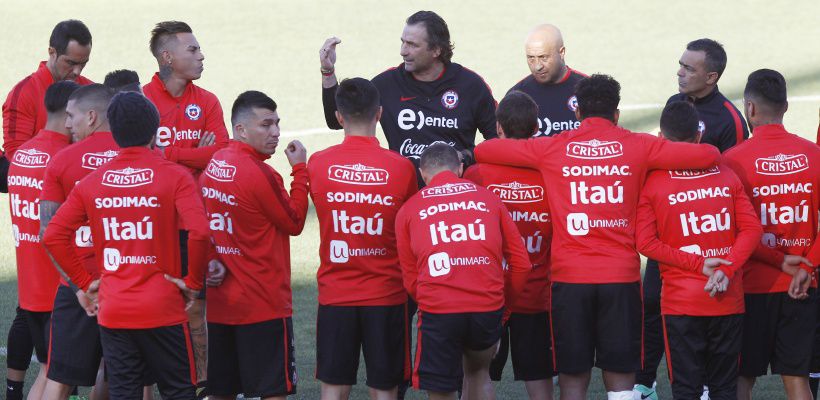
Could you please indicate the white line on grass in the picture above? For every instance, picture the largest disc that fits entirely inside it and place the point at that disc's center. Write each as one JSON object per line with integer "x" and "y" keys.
{"x": 630, "y": 107}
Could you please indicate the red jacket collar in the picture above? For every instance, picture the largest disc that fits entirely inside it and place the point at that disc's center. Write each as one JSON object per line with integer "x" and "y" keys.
{"x": 44, "y": 73}
{"x": 53, "y": 136}
{"x": 769, "y": 130}
{"x": 444, "y": 177}
{"x": 156, "y": 80}
{"x": 243, "y": 147}
{"x": 361, "y": 140}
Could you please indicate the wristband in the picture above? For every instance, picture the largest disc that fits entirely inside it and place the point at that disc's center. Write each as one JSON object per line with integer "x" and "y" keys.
{"x": 327, "y": 72}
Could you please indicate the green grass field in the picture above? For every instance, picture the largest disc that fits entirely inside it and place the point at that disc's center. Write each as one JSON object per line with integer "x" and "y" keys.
{"x": 273, "y": 47}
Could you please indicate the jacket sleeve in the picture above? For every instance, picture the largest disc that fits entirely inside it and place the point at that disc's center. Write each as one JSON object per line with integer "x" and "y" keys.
{"x": 198, "y": 157}
{"x": 648, "y": 243}
{"x": 484, "y": 113}
{"x": 329, "y": 105}
{"x": 518, "y": 260}
{"x": 735, "y": 132}
{"x": 19, "y": 119}
{"x": 514, "y": 152}
{"x": 286, "y": 211}
{"x": 191, "y": 211}
{"x": 664, "y": 154}
{"x": 747, "y": 226}
{"x": 407, "y": 259}
{"x": 59, "y": 238}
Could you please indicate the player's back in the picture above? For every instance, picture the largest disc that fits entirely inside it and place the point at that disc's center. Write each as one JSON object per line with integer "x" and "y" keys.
{"x": 132, "y": 207}
{"x": 781, "y": 173}
{"x": 522, "y": 192}
{"x": 697, "y": 212}
{"x": 455, "y": 233}
{"x": 358, "y": 188}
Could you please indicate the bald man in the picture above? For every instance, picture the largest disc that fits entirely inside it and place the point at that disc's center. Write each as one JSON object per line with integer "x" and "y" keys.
{"x": 551, "y": 82}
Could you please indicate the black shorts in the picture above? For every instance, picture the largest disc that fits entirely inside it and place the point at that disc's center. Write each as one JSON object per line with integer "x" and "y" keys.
{"x": 778, "y": 331}
{"x": 28, "y": 331}
{"x": 380, "y": 332}
{"x": 75, "y": 351}
{"x": 183, "y": 260}
{"x": 441, "y": 342}
{"x": 256, "y": 360}
{"x": 527, "y": 337}
{"x": 597, "y": 325}
{"x": 815, "y": 359}
{"x": 703, "y": 351}
{"x": 164, "y": 353}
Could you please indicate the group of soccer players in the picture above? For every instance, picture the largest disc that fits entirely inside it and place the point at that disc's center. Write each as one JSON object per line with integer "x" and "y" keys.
{"x": 127, "y": 201}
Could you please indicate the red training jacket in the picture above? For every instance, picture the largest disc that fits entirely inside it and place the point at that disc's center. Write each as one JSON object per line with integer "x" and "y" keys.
{"x": 453, "y": 237}
{"x": 24, "y": 111}
{"x": 522, "y": 192}
{"x": 252, "y": 218}
{"x": 781, "y": 173}
{"x": 71, "y": 165}
{"x": 595, "y": 175}
{"x": 133, "y": 203}
{"x": 685, "y": 216}
{"x": 37, "y": 279}
{"x": 183, "y": 121}
{"x": 358, "y": 188}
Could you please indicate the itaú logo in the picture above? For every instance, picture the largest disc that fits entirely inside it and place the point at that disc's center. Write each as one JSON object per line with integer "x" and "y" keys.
{"x": 517, "y": 192}
{"x": 408, "y": 119}
{"x": 220, "y": 170}
{"x": 782, "y": 164}
{"x": 128, "y": 177}
{"x": 30, "y": 158}
{"x": 357, "y": 174}
{"x": 594, "y": 149}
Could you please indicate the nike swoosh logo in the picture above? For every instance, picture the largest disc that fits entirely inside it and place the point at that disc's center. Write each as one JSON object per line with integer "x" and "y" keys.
{"x": 407, "y": 98}
{"x": 646, "y": 396}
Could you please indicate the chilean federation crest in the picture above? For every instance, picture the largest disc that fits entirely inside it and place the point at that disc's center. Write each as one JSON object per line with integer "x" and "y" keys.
{"x": 449, "y": 99}
{"x": 193, "y": 112}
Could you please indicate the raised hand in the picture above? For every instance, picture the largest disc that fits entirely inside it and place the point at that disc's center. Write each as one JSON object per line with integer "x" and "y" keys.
{"x": 296, "y": 153}
{"x": 327, "y": 54}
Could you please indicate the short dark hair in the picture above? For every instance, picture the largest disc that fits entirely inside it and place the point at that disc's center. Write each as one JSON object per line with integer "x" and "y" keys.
{"x": 679, "y": 121}
{"x": 767, "y": 86}
{"x": 438, "y": 35}
{"x": 93, "y": 97}
{"x": 57, "y": 95}
{"x": 598, "y": 96}
{"x": 123, "y": 80}
{"x": 715, "y": 55}
{"x": 438, "y": 157}
{"x": 517, "y": 114}
{"x": 66, "y": 31}
{"x": 357, "y": 99}
{"x": 134, "y": 120}
{"x": 165, "y": 31}
{"x": 249, "y": 100}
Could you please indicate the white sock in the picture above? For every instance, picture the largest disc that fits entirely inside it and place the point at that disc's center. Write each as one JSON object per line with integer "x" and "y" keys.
{"x": 622, "y": 395}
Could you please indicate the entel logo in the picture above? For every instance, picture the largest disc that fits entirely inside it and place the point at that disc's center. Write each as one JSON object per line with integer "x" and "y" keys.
{"x": 447, "y": 189}
{"x": 30, "y": 158}
{"x": 358, "y": 174}
{"x": 594, "y": 149}
{"x": 782, "y": 164}
{"x": 517, "y": 192}
{"x": 407, "y": 120}
{"x": 95, "y": 160}
{"x": 220, "y": 170}
{"x": 439, "y": 264}
{"x": 578, "y": 224}
{"x": 339, "y": 251}
{"x": 111, "y": 259}
{"x": 693, "y": 173}
{"x": 128, "y": 177}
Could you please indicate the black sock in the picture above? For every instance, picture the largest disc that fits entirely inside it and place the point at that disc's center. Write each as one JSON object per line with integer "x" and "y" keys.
{"x": 74, "y": 392}
{"x": 813, "y": 385}
{"x": 202, "y": 389}
{"x": 14, "y": 390}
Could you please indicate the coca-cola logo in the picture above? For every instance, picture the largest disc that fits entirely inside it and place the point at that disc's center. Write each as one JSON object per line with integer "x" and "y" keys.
{"x": 30, "y": 158}
{"x": 594, "y": 149}
{"x": 413, "y": 150}
{"x": 693, "y": 173}
{"x": 95, "y": 160}
{"x": 357, "y": 174}
{"x": 782, "y": 164}
{"x": 128, "y": 177}
{"x": 448, "y": 189}
{"x": 516, "y": 192}
{"x": 220, "y": 170}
